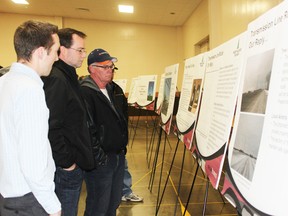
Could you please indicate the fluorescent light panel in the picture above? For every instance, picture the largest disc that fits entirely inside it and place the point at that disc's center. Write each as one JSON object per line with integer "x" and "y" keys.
{"x": 126, "y": 8}
{"x": 20, "y": 2}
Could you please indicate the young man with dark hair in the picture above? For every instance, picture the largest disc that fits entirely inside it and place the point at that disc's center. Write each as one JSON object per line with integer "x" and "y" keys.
{"x": 26, "y": 164}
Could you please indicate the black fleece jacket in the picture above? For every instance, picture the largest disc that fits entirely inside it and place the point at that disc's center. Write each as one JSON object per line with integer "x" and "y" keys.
{"x": 111, "y": 124}
{"x": 68, "y": 130}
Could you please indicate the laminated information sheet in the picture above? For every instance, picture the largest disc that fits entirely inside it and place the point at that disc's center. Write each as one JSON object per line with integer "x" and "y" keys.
{"x": 256, "y": 177}
{"x": 169, "y": 90}
{"x": 190, "y": 98}
{"x": 222, "y": 80}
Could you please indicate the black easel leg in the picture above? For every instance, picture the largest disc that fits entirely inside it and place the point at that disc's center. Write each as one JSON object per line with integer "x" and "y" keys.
{"x": 170, "y": 169}
{"x": 161, "y": 172}
{"x": 136, "y": 127}
{"x": 180, "y": 179}
{"x": 221, "y": 196}
{"x": 152, "y": 142}
{"x": 150, "y": 186}
{"x": 206, "y": 197}
{"x": 186, "y": 206}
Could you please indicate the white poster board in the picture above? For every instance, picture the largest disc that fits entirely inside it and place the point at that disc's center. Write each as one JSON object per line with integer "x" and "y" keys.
{"x": 145, "y": 91}
{"x": 169, "y": 90}
{"x": 189, "y": 102}
{"x": 222, "y": 78}
{"x": 132, "y": 97}
{"x": 256, "y": 176}
{"x": 160, "y": 94}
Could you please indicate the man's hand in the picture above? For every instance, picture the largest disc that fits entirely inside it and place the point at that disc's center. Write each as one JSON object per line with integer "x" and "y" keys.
{"x": 71, "y": 167}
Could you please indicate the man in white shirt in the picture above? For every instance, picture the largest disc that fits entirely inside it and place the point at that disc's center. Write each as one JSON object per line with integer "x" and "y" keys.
{"x": 26, "y": 164}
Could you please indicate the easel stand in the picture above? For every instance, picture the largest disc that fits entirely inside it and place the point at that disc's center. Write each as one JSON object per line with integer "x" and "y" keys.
{"x": 206, "y": 196}
{"x": 206, "y": 192}
{"x": 190, "y": 193}
{"x": 134, "y": 128}
{"x": 161, "y": 172}
{"x": 180, "y": 179}
{"x": 170, "y": 169}
{"x": 150, "y": 186}
{"x": 150, "y": 146}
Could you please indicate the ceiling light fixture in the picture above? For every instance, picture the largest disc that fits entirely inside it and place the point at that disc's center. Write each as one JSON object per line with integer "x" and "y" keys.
{"x": 20, "y": 2}
{"x": 126, "y": 8}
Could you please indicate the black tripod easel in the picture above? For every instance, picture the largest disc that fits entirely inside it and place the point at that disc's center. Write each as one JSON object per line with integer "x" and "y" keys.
{"x": 142, "y": 112}
{"x": 133, "y": 126}
{"x": 191, "y": 188}
{"x": 154, "y": 166}
{"x": 159, "y": 200}
{"x": 150, "y": 146}
{"x": 168, "y": 176}
{"x": 198, "y": 162}
{"x": 151, "y": 181}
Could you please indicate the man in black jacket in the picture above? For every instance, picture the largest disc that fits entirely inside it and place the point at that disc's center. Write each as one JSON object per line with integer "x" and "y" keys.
{"x": 68, "y": 130}
{"x": 104, "y": 184}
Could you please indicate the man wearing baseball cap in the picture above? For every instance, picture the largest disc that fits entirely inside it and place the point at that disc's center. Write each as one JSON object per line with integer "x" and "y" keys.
{"x": 104, "y": 184}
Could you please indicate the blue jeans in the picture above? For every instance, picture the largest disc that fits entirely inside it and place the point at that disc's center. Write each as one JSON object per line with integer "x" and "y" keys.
{"x": 104, "y": 187}
{"x": 68, "y": 188}
{"x": 127, "y": 183}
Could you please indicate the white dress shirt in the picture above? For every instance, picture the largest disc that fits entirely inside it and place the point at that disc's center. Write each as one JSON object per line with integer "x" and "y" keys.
{"x": 26, "y": 163}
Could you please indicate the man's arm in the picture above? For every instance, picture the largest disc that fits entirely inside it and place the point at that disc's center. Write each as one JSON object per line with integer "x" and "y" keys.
{"x": 56, "y": 98}
{"x": 34, "y": 152}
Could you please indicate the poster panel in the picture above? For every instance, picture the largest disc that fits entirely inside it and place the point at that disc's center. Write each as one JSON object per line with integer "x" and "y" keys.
{"x": 160, "y": 95}
{"x": 169, "y": 90}
{"x": 189, "y": 102}
{"x": 146, "y": 88}
{"x": 255, "y": 179}
{"x": 132, "y": 97}
{"x": 222, "y": 78}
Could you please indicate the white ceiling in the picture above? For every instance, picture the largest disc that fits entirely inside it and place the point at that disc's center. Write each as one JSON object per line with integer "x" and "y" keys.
{"x": 156, "y": 12}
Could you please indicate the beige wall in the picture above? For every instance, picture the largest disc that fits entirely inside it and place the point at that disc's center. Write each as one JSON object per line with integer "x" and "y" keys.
{"x": 221, "y": 20}
{"x": 228, "y": 18}
{"x": 140, "y": 49}
{"x": 148, "y": 49}
{"x": 194, "y": 30}
{"x": 8, "y": 24}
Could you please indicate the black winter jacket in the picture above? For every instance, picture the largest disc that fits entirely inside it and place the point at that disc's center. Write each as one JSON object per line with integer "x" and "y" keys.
{"x": 120, "y": 99}
{"x": 68, "y": 130}
{"x": 111, "y": 124}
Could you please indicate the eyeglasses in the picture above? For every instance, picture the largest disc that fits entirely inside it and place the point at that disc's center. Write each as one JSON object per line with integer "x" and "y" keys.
{"x": 80, "y": 50}
{"x": 105, "y": 67}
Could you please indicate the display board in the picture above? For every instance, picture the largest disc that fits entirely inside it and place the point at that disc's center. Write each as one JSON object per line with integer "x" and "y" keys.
{"x": 169, "y": 90}
{"x": 255, "y": 179}
{"x": 145, "y": 90}
{"x": 160, "y": 95}
{"x": 132, "y": 97}
{"x": 222, "y": 78}
{"x": 192, "y": 83}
